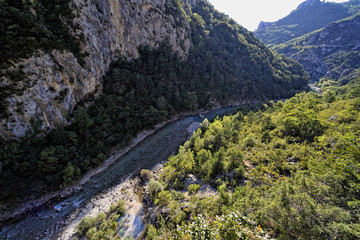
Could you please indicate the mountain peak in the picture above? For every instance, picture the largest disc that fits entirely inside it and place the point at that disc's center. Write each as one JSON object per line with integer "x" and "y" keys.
{"x": 263, "y": 25}
{"x": 309, "y": 3}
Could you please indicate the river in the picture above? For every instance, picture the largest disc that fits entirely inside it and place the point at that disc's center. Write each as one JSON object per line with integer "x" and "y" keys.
{"x": 47, "y": 221}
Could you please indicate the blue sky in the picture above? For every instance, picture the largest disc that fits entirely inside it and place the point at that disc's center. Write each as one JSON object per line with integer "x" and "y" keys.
{"x": 249, "y": 13}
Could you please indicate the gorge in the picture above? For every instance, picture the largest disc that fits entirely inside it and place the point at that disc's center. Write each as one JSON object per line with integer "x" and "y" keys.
{"x": 108, "y": 126}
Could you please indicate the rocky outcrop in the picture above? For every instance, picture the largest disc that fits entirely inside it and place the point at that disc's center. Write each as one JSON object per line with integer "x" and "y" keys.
{"x": 263, "y": 25}
{"x": 53, "y": 83}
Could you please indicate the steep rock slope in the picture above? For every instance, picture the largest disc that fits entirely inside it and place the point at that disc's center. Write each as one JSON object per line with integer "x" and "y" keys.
{"x": 309, "y": 16}
{"x": 331, "y": 52}
{"x": 47, "y": 83}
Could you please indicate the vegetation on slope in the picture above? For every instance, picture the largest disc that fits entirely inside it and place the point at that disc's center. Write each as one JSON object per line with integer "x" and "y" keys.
{"x": 331, "y": 52}
{"x": 284, "y": 170}
{"x": 293, "y": 169}
{"x": 27, "y": 26}
{"x": 226, "y": 63}
{"x": 306, "y": 19}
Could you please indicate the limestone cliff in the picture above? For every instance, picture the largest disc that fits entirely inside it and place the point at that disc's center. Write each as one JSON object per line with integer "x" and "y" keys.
{"x": 52, "y": 83}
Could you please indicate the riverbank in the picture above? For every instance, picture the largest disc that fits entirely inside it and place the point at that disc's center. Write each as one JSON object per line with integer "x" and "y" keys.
{"x": 33, "y": 204}
{"x": 129, "y": 190}
{"x": 66, "y": 191}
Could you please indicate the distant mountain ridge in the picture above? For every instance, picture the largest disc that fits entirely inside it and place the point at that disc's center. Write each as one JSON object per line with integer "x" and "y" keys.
{"x": 310, "y": 3}
{"x": 307, "y": 17}
{"x": 331, "y": 52}
{"x": 322, "y": 36}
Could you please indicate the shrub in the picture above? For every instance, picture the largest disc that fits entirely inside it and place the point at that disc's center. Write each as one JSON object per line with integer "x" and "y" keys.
{"x": 266, "y": 137}
{"x": 151, "y": 232}
{"x": 239, "y": 172}
{"x": 230, "y": 226}
{"x": 177, "y": 195}
{"x": 204, "y": 125}
{"x": 164, "y": 198}
{"x": 85, "y": 224}
{"x": 236, "y": 157}
{"x": 154, "y": 187}
{"x": 118, "y": 208}
{"x": 250, "y": 140}
{"x": 193, "y": 188}
{"x": 146, "y": 175}
{"x": 102, "y": 226}
{"x": 305, "y": 126}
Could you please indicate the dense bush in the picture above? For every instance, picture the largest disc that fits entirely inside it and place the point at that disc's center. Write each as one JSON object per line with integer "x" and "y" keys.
{"x": 103, "y": 226}
{"x": 229, "y": 226}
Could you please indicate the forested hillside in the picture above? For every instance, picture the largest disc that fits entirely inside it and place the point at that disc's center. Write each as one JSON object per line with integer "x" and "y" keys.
{"x": 289, "y": 170}
{"x": 226, "y": 63}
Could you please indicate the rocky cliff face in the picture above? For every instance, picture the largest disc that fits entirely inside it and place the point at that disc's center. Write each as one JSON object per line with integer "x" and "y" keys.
{"x": 54, "y": 82}
{"x": 332, "y": 52}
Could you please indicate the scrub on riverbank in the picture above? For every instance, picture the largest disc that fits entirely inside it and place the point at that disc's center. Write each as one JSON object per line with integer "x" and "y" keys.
{"x": 46, "y": 221}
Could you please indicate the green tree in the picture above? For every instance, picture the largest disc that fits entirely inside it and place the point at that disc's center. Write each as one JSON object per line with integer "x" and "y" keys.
{"x": 164, "y": 198}
{"x": 191, "y": 101}
{"x": 48, "y": 161}
{"x": 70, "y": 174}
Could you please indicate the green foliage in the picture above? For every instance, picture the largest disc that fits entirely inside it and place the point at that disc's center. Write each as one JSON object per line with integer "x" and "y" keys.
{"x": 302, "y": 182}
{"x": 250, "y": 140}
{"x": 118, "y": 208}
{"x": 229, "y": 226}
{"x": 220, "y": 43}
{"x": 299, "y": 214}
{"x": 70, "y": 173}
{"x": 338, "y": 57}
{"x": 151, "y": 232}
{"x": 86, "y": 224}
{"x": 303, "y": 125}
{"x": 164, "y": 198}
{"x": 146, "y": 174}
{"x": 177, "y": 195}
{"x": 193, "y": 188}
{"x": 103, "y": 226}
{"x": 27, "y": 26}
{"x": 154, "y": 187}
{"x": 204, "y": 125}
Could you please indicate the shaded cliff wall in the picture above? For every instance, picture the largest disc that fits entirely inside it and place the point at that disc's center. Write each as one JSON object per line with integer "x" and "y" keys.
{"x": 53, "y": 83}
